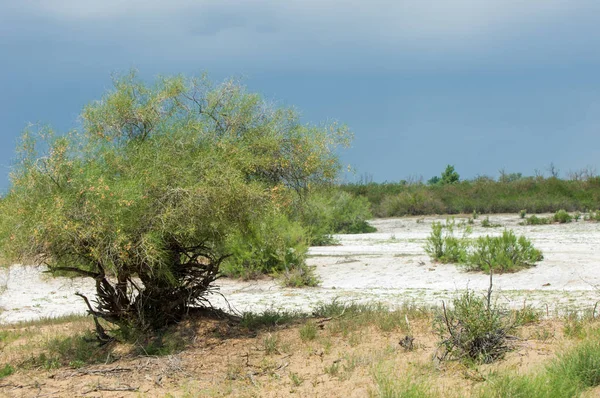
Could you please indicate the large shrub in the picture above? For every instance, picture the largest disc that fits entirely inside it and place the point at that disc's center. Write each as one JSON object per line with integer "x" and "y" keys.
{"x": 145, "y": 197}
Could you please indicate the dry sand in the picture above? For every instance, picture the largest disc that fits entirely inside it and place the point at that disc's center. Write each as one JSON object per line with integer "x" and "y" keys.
{"x": 388, "y": 266}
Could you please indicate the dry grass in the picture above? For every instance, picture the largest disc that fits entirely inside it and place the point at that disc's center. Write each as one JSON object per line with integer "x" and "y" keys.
{"x": 350, "y": 353}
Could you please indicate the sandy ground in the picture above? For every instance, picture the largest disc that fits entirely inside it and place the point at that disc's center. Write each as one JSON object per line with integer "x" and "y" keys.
{"x": 387, "y": 266}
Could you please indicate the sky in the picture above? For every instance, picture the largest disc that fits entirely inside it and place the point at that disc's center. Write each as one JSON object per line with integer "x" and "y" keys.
{"x": 485, "y": 86}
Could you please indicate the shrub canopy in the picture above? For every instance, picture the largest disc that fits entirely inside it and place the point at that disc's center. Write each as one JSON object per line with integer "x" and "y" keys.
{"x": 144, "y": 195}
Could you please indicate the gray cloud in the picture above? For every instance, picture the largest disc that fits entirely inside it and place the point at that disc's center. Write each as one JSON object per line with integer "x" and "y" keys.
{"x": 333, "y": 34}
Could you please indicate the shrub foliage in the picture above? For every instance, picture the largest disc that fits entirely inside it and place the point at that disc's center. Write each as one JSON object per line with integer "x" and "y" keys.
{"x": 504, "y": 253}
{"x": 156, "y": 190}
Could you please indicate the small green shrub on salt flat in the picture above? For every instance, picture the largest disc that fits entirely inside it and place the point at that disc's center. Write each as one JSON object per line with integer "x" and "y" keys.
{"x": 562, "y": 217}
{"x": 443, "y": 246}
{"x": 503, "y": 253}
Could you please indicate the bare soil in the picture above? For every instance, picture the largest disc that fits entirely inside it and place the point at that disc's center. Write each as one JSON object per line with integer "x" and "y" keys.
{"x": 220, "y": 359}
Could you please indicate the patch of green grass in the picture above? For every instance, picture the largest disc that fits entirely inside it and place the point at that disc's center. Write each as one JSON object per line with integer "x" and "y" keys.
{"x": 308, "y": 331}
{"x": 391, "y": 385}
{"x": 296, "y": 379}
{"x": 166, "y": 343}
{"x": 580, "y": 364}
{"x": 527, "y": 315}
{"x": 7, "y": 370}
{"x": 528, "y": 386}
{"x": 269, "y": 318}
{"x": 271, "y": 344}
{"x": 74, "y": 351}
{"x": 568, "y": 375}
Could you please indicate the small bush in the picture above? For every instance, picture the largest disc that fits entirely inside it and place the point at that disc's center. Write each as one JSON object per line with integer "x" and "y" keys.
{"x": 503, "y": 253}
{"x": 562, "y": 217}
{"x": 271, "y": 344}
{"x": 474, "y": 330}
{"x": 486, "y": 223}
{"x": 535, "y": 220}
{"x": 522, "y": 213}
{"x": 443, "y": 246}
{"x": 300, "y": 276}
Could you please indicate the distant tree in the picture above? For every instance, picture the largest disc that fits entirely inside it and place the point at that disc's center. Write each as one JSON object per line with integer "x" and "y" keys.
{"x": 553, "y": 170}
{"x": 433, "y": 180}
{"x": 143, "y": 197}
{"x": 449, "y": 176}
{"x": 509, "y": 177}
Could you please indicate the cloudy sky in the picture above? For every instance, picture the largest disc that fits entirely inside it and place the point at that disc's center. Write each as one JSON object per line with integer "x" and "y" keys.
{"x": 484, "y": 85}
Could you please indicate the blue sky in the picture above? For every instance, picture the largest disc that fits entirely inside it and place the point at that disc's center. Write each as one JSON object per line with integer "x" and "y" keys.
{"x": 483, "y": 85}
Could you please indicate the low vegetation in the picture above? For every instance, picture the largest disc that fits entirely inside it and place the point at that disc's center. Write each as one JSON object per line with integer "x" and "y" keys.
{"x": 370, "y": 349}
{"x": 504, "y": 253}
{"x": 510, "y": 193}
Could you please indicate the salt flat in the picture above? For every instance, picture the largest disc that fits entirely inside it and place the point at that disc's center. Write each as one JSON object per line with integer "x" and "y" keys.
{"x": 388, "y": 266}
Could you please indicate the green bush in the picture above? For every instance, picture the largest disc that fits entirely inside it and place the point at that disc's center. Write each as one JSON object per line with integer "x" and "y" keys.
{"x": 503, "y": 253}
{"x": 474, "y": 329}
{"x": 562, "y": 217}
{"x": 159, "y": 183}
{"x": 7, "y": 370}
{"x": 270, "y": 246}
{"x": 486, "y": 223}
{"x": 535, "y": 220}
{"x": 443, "y": 246}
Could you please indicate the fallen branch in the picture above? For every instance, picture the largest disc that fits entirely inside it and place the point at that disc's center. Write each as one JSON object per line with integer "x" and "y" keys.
{"x": 100, "y": 387}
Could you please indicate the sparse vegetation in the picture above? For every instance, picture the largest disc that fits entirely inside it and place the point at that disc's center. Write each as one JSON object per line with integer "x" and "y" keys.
{"x": 486, "y": 223}
{"x": 535, "y": 220}
{"x": 503, "y": 253}
{"x": 474, "y": 329}
{"x": 335, "y": 355}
